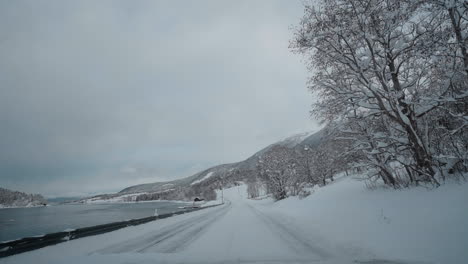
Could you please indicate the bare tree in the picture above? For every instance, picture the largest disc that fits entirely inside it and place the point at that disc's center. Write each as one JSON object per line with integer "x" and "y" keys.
{"x": 305, "y": 165}
{"x": 253, "y": 188}
{"x": 278, "y": 169}
{"x": 375, "y": 60}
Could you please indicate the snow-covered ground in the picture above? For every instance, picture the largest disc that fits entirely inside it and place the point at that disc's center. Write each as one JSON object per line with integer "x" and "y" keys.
{"x": 415, "y": 224}
{"x": 206, "y": 177}
{"x": 340, "y": 223}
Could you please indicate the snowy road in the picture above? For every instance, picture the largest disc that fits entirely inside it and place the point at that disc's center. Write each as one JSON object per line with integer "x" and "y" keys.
{"x": 240, "y": 231}
{"x": 236, "y": 231}
{"x": 170, "y": 239}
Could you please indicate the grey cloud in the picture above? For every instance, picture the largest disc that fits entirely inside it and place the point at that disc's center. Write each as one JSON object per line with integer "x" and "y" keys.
{"x": 169, "y": 87}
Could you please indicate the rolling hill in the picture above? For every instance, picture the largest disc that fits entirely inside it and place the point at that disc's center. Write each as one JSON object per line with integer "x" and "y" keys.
{"x": 226, "y": 174}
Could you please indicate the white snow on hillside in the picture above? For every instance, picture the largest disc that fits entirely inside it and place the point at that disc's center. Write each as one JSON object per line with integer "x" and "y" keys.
{"x": 118, "y": 199}
{"x": 339, "y": 223}
{"x": 295, "y": 139}
{"x": 208, "y": 175}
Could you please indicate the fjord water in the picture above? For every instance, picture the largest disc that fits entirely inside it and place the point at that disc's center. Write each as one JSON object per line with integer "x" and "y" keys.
{"x": 17, "y": 223}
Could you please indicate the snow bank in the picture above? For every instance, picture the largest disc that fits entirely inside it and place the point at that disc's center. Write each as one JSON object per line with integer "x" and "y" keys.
{"x": 411, "y": 224}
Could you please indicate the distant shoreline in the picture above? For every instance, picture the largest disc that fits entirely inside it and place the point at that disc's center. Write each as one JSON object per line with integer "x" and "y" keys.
{"x": 100, "y": 202}
{"x": 95, "y": 203}
{"x": 24, "y": 206}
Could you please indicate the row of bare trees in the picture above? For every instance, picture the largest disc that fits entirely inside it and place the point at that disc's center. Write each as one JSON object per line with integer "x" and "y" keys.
{"x": 10, "y": 198}
{"x": 392, "y": 78}
{"x": 286, "y": 171}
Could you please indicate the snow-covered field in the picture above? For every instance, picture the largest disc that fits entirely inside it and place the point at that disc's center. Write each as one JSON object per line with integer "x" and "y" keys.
{"x": 340, "y": 223}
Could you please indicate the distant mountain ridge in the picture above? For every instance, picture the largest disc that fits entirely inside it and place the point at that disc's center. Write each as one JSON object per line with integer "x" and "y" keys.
{"x": 203, "y": 183}
{"x": 227, "y": 173}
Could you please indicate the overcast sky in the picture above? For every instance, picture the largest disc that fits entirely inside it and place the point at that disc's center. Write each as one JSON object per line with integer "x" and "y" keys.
{"x": 99, "y": 95}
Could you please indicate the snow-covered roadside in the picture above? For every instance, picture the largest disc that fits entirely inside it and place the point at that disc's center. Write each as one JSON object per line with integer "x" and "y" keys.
{"x": 211, "y": 203}
{"x": 340, "y": 223}
{"x": 410, "y": 224}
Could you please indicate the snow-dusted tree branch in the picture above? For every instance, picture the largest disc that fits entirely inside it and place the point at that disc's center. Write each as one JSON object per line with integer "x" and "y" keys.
{"x": 400, "y": 64}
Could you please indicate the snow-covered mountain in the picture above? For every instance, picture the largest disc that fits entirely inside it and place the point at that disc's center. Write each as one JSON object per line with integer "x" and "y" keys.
{"x": 225, "y": 174}
{"x": 204, "y": 182}
{"x": 9, "y": 198}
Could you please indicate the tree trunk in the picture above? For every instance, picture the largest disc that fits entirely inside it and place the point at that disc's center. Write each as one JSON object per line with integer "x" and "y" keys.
{"x": 388, "y": 178}
{"x": 384, "y": 178}
{"x": 420, "y": 154}
{"x": 410, "y": 174}
{"x": 458, "y": 34}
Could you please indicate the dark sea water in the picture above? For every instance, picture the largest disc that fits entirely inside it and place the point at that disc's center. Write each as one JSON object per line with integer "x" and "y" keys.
{"x": 25, "y": 222}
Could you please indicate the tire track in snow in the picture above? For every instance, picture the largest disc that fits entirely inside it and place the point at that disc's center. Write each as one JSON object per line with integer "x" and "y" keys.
{"x": 185, "y": 237}
{"x": 151, "y": 240}
{"x": 293, "y": 238}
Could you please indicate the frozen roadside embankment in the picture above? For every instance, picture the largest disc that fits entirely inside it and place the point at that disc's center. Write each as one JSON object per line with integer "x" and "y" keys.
{"x": 410, "y": 224}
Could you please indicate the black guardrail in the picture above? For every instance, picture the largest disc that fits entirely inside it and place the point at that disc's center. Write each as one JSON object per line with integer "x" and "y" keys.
{"x": 31, "y": 243}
